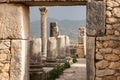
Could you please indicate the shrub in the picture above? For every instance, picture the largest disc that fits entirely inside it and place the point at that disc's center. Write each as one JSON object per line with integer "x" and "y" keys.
{"x": 74, "y": 60}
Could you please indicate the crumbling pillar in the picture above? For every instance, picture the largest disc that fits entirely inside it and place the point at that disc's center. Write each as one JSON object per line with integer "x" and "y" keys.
{"x": 67, "y": 44}
{"x": 36, "y": 71}
{"x": 14, "y": 34}
{"x": 61, "y": 48}
{"x": 43, "y": 32}
{"x": 54, "y": 32}
{"x": 51, "y": 51}
{"x": 35, "y": 51}
{"x": 80, "y": 49}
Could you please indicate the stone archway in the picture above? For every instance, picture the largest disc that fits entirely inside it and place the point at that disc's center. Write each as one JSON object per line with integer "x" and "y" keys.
{"x": 102, "y": 37}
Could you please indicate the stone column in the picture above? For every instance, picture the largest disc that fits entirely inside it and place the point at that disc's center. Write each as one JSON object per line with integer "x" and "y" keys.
{"x": 43, "y": 32}
{"x": 54, "y": 32}
{"x": 35, "y": 51}
{"x": 52, "y": 49}
{"x": 36, "y": 70}
{"x": 14, "y": 34}
{"x": 61, "y": 48}
{"x": 67, "y": 44}
{"x": 80, "y": 49}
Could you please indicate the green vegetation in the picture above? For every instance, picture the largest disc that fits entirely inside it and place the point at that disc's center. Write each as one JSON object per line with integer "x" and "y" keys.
{"x": 58, "y": 71}
{"x": 74, "y": 60}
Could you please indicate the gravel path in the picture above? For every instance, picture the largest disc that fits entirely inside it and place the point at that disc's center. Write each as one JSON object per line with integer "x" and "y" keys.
{"x": 76, "y": 72}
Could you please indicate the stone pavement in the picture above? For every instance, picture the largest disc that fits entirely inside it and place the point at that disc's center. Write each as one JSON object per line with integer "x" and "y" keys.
{"x": 76, "y": 72}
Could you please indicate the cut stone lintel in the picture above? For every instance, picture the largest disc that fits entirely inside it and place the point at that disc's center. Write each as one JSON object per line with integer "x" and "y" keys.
{"x": 19, "y": 68}
{"x": 14, "y": 21}
{"x": 48, "y": 2}
{"x": 96, "y": 18}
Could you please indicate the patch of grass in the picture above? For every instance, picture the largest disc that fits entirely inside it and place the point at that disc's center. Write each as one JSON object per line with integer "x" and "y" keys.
{"x": 58, "y": 71}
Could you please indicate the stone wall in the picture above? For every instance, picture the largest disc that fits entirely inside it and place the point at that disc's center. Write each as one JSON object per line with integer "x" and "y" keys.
{"x": 108, "y": 46}
{"x": 14, "y": 34}
{"x": 81, "y": 42}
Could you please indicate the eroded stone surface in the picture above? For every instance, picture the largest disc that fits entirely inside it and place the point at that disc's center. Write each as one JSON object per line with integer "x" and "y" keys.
{"x": 95, "y": 23}
{"x": 35, "y": 50}
{"x": 115, "y": 65}
{"x": 104, "y": 72}
{"x": 102, "y": 64}
{"x": 111, "y": 57}
{"x": 19, "y": 62}
{"x": 14, "y": 21}
{"x": 52, "y": 49}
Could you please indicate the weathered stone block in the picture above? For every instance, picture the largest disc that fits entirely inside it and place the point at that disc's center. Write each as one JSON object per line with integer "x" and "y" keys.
{"x": 14, "y": 21}
{"x": 112, "y": 44}
{"x": 118, "y": 78}
{"x": 99, "y": 44}
{"x": 116, "y": 12}
{"x": 19, "y": 62}
{"x": 52, "y": 49}
{"x": 105, "y": 50}
{"x": 61, "y": 46}
{"x": 109, "y": 32}
{"x": 6, "y": 67}
{"x": 35, "y": 50}
{"x": 97, "y": 78}
{"x": 108, "y": 14}
{"x": 90, "y": 51}
{"x": 95, "y": 18}
{"x": 111, "y": 20}
{"x": 4, "y": 44}
{"x": 109, "y": 78}
{"x": 115, "y": 65}
{"x": 116, "y": 51}
{"x": 3, "y": 57}
{"x": 112, "y": 4}
{"x": 105, "y": 72}
{"x": 99, "y": 56}
{"x": 4, "y": 76}
{"x": 111, "y": 57}
{"x": 67, "y": 44}
{"x": 54, "y": 31}
{"x": 102, "y": 64}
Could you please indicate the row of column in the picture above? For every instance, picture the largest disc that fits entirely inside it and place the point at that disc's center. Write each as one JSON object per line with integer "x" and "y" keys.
{"x": 57, "y": 48}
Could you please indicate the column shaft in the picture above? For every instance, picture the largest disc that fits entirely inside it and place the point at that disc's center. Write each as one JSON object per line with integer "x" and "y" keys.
{"x": 43, "y": 32}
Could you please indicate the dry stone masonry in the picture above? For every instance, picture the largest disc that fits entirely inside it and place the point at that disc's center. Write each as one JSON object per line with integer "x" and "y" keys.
{"x": 103, "y": 37}
{"x": 108, "y": 46}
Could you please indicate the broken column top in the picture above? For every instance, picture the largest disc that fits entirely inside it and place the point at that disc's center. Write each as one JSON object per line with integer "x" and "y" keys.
{"x": 54, "y": 24}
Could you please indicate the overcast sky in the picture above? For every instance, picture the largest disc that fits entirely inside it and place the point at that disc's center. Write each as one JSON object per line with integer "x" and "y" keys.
{"x": 60, "y": 12}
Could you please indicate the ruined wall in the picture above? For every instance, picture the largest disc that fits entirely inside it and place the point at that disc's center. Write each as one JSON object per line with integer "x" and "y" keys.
{"x": 108, "y": 46}
{"x": 14, "y": 32}
{"x": 81, "y": 42}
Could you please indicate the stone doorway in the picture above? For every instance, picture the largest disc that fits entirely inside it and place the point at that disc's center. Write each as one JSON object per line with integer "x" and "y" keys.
{"x": 76, "y": 26}
{"x": 98, "y": 31}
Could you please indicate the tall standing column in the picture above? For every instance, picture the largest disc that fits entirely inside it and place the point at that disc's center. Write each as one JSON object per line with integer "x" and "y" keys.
{"x": 43, "y": 32}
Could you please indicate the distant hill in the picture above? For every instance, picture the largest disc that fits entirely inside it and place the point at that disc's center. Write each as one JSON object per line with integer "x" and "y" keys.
{"x": 66, "y": 27}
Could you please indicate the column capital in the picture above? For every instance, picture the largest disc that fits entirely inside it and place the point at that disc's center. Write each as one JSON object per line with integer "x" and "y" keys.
{"x": 43, "y": 9}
